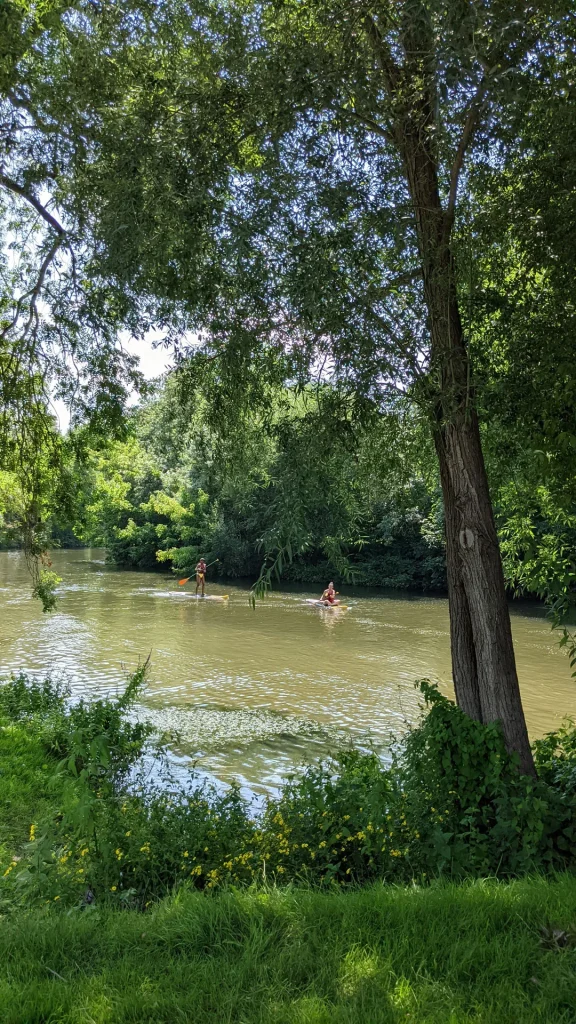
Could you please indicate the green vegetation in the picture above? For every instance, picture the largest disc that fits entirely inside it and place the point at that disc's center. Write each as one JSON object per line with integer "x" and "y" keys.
{"x": 285, "y": 225}
{"x": 175, "y": 489}
{"x": 470, "y": 954}
{"x": 360, "y": 504}
{"x": 452, "y": 803}
{"x": 361, "y": 214}
{"x": 86, "y": 853}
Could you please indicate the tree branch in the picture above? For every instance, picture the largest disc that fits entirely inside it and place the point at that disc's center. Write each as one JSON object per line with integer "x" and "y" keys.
{"x": 40, "y": 279}
{"x": 396, "y": 282}
{"x": 34, "y": 293}
{"x": 465, "y": 140}
{"x": 370, "y": 123}
{"x": 13, "y": 186}
{"x": 388, "y": 65}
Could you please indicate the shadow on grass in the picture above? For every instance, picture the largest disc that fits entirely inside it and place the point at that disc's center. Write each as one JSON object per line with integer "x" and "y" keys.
{"x": 448, "y": 954}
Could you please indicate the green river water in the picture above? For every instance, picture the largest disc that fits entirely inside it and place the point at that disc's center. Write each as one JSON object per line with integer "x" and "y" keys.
{"x": 251, "y": 694}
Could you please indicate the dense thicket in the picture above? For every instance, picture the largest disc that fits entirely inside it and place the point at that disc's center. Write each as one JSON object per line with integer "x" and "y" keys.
{"x": 451, "y": 802}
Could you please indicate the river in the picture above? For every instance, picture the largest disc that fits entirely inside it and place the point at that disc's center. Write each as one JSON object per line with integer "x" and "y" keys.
{"x": 250, "y": 694}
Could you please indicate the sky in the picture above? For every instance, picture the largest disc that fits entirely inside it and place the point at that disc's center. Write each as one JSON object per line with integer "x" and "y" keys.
{"x": 153, "y": 362}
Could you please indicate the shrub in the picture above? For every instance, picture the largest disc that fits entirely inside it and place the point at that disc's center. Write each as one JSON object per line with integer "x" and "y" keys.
{"x": 98, "y": 742}
{"x": 451, "y": 802}
{"x": 23, "y": 698}
{"x": 475, "y": 812}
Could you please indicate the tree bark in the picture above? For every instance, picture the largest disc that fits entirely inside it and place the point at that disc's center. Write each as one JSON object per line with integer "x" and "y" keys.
{"x": 464, "y": 670}
{"x": 482, "y": 580}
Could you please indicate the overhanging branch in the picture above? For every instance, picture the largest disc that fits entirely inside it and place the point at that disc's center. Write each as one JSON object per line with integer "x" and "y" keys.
{"x": 383, "y": 53}
{"x": 19, "y": 190}
{"x": 401, "y": 279}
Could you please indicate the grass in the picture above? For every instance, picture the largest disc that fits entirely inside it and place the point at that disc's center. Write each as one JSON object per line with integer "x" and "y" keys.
{"x": 27, "y": 790}
{"x": 447, "y": 954}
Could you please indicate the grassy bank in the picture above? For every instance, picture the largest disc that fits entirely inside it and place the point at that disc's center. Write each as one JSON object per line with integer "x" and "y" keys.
{"x": 335, "y": 905}
{"x": 454, "y": 954}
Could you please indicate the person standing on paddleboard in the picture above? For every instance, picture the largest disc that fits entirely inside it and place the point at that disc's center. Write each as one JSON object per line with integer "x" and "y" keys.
{"x": 329, "y": 595}
{"x": 200, "y": 575}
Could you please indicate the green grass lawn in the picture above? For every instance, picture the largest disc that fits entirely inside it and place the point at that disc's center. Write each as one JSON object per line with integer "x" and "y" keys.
{"x": 447, "y": 954}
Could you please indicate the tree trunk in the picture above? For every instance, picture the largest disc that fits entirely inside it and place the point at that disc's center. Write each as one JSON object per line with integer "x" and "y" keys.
{"x": 483, "y": 661}
{"x": 464, "y": 671}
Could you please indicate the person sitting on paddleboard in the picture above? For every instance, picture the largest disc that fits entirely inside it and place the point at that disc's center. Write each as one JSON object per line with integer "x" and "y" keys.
{"x": 200, "y": 575}
{"x": 329, "y": 595}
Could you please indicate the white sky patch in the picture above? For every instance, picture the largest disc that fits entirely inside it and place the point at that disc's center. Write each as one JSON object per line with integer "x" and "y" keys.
{"x": 153, "y": 361}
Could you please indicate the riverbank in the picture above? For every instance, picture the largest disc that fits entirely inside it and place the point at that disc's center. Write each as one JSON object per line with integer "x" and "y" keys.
{"x": 363, "y": 894}
{"x": 481, "y": 953}
{"x": 80, "y": 816}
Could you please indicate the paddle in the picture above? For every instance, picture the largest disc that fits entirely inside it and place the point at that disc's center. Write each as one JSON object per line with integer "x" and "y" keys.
{"x": 181, "y": 582}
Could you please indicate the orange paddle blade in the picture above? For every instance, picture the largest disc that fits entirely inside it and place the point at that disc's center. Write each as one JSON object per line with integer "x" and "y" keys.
{"x": 181, "y": 582}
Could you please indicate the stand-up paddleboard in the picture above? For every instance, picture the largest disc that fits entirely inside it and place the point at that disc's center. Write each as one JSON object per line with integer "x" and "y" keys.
{"x": 322, "y": 604}
{"x": 209, "y": 597}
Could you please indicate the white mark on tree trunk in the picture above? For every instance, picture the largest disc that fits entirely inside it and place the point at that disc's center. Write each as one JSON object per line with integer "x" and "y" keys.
{"x": 466, "y": 538}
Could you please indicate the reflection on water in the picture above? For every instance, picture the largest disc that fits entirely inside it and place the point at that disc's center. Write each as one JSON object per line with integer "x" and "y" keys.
{"x": 251, "y": 693}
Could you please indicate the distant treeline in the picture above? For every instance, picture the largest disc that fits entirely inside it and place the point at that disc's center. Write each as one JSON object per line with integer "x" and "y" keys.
{"x": 299, "y": 486}
{"x": 335, "y": 500}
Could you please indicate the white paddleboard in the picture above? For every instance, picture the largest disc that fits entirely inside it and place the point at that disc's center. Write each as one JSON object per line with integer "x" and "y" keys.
{"x": 329, "y": 607}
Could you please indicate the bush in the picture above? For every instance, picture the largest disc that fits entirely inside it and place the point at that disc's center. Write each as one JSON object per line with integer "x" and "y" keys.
{"x": 96, "y": 740}
{"x": 452, "y": 802}
{"x": 392, "y": 570}
{"x": 23, "y": 698}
